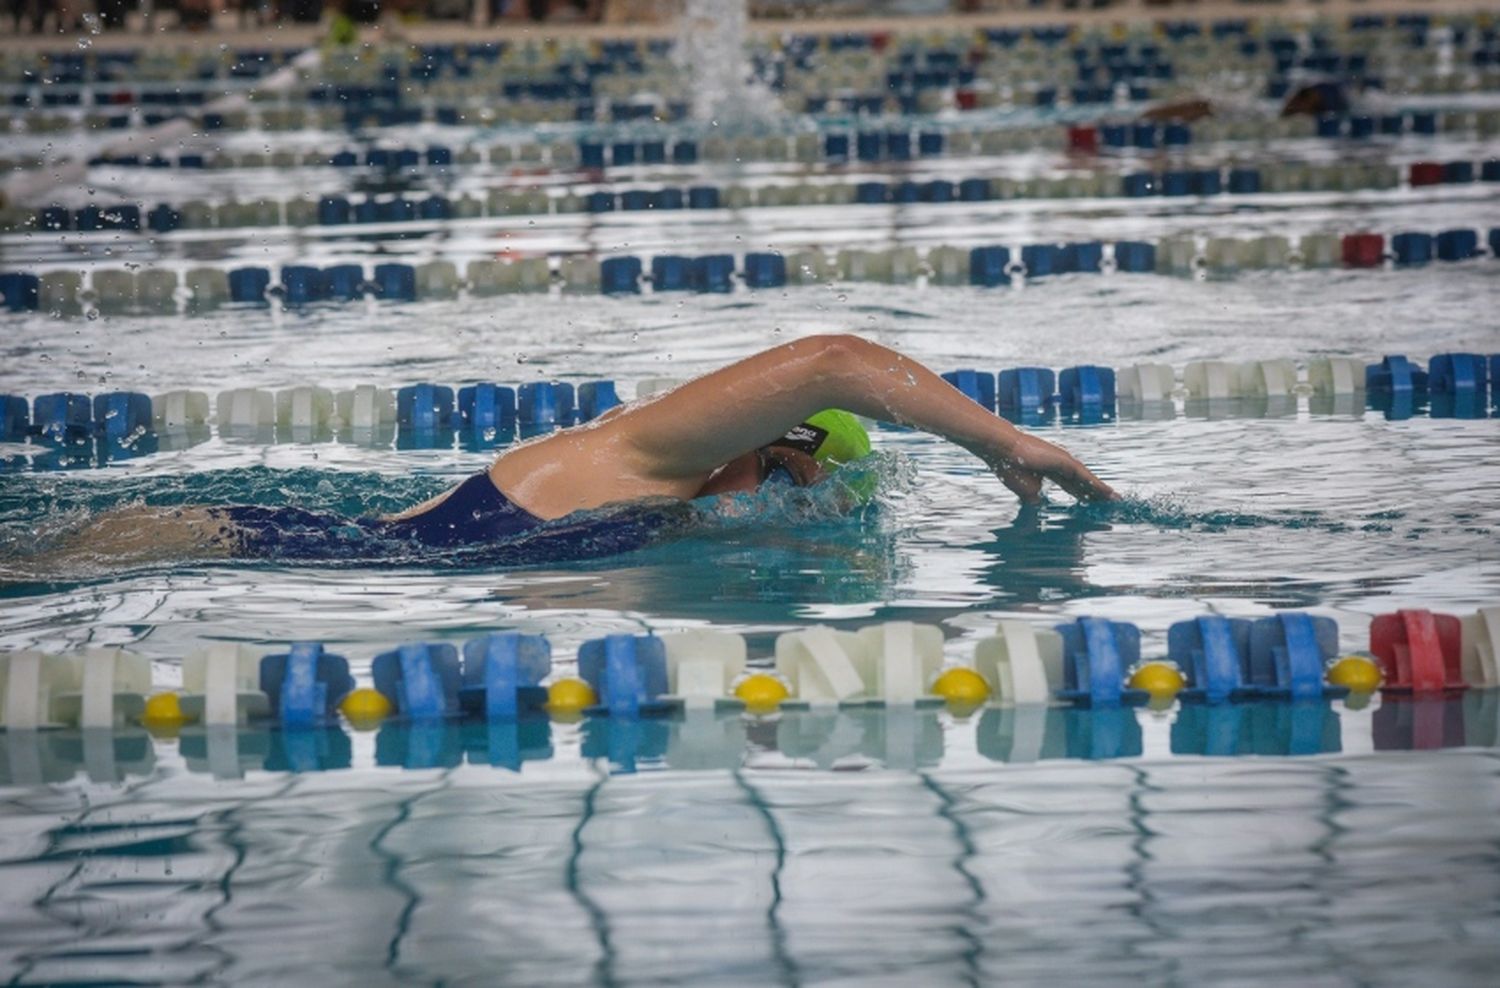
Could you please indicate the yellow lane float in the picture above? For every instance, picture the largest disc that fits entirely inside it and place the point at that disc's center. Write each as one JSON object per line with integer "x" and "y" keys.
{"x": 163, "y": 715}
{"x": 761, "y": 693}
{"x": 366, "y": 708}
{"x": 567, "y": 698}
{"x": 961, "y": 686}
{"x": 1357, "y": 673}
{"x": 1161, "y": 679}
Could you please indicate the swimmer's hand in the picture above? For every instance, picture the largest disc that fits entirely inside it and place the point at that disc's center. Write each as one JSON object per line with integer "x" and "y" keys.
{"x": 1030, "y": 460}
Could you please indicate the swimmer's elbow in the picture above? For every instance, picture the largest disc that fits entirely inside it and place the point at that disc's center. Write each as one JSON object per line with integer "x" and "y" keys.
{"x": 836, "y": 353}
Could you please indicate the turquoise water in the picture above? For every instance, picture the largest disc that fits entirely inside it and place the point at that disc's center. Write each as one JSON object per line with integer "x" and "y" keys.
{"x": 1192, "y": 844}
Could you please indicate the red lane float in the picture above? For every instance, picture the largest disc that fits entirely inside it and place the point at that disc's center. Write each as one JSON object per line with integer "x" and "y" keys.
{"x": 1419, "y": 651}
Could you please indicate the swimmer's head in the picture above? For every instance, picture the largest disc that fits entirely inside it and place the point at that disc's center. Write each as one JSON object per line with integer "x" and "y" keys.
{"x": 831, "y": 438}
{"x": 808, "y": 453}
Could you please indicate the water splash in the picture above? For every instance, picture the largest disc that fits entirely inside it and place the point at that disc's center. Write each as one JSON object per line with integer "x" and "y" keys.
{"x": 711, "y": 37}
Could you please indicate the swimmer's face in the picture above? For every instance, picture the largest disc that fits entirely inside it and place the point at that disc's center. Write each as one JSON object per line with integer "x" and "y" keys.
{"x": 767, "y": 465}
{"x": 782, "y": 464}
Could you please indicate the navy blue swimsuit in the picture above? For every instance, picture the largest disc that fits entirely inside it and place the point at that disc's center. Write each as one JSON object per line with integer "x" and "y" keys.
{"x": 477, "y": 514}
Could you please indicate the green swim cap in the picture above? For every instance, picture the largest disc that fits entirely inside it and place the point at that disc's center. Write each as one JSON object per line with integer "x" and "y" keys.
{"x": 834, "y": 437}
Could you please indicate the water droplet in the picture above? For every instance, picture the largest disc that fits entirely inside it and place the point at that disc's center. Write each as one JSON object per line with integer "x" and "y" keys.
{"x": 91, "y": 315}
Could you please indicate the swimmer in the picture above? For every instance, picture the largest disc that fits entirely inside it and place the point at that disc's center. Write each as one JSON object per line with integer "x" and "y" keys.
{"x": 780, "y": 416}
{"x": 1314, "y": 98}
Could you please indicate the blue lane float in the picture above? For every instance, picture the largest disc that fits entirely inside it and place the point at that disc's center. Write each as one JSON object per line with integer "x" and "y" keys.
{"x": 340, "y": 282}
{"x": 1025, "y": 389}
{"x": 305, "y": 684}
{"x": 421, "y": 680}
{"x": 1395, "y": 375}
{"x": 1288, "y": 654}
{"x": 765, "y": 270}
{"x": 120, "y": 414}
{"x": 20, "y": 291}
{"x": 302, "y": 285}
{"x": 1135, "y": 257}
{"x": 1086, "y": 257}
{"x": 249, "y": 285}
{"x": 395, "y": 282}
{"x": 424, "y": 408}
{"x": 1213, "y": 654}
{"x": 1412, "y": 248}
{"x": 620, "y": 276}
{"x": 62, "y": 416}
{"x": 486, "y": 408}
{"x": 1244, "y": 181}
{"x": 989, "y": 266}
{"x": 978, "y": 386}
{"x": 1040, "y": 260}
{"x": 1087, "y": 388}
{"x": 713, "y": 273}
{"x": 1097, "y": 653}
{"x": 545, "y": 403}
{"x": 703, "y": 197}
{"x": 1459, "y": 374}
{"x": 502, "y": 674}
{"x": 15, "y": 418}
{"x": 670, "y": 273}
{"x": 627, "y": 672}
{"x": 595, "y": 398}
{"x": 1457, "y": 245}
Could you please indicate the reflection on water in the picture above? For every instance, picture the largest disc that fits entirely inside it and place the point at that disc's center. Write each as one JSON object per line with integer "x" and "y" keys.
{"x": 861, "y": 845}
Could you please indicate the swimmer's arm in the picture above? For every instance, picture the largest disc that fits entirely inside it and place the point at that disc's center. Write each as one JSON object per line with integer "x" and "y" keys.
{"x": 709, "y": 421}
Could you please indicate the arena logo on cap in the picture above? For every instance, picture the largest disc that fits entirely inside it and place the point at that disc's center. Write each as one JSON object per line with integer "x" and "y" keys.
{"x": 804, "y": 437}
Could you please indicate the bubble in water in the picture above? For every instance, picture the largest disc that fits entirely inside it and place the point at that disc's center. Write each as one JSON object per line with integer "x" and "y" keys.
{"x": 92, "y": 314}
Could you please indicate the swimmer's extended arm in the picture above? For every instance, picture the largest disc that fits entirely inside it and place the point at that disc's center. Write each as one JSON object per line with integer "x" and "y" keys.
{"x": 709, "y": 421}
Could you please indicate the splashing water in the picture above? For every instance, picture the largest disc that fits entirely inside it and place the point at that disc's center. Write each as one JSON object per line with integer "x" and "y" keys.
{"x": 711, "y": 48}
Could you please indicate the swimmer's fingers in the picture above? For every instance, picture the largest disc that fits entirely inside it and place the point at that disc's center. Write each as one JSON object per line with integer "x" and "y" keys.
{"x": 1025, "y": 484}
{"x": 1037, "y": 456}
{"x": 1082, "y": 484}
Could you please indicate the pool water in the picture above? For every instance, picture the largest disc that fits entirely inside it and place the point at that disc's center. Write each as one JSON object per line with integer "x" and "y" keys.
{"x": 807, "y": 848}
{"x": 1334, "y": 842}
